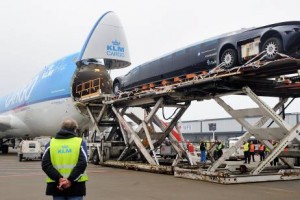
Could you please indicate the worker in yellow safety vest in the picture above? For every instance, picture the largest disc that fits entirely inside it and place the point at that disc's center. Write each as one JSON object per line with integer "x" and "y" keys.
{"x": 64, "y": 162}
{"x": 246, "y": 152}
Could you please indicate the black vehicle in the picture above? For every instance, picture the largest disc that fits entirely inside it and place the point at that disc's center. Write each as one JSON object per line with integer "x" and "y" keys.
{"x": 231, "y": 49}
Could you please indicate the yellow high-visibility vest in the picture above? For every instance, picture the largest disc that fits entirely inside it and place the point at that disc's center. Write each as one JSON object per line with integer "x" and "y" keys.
{"x": 64, "y": 154}
{"x": 246, "y": 146}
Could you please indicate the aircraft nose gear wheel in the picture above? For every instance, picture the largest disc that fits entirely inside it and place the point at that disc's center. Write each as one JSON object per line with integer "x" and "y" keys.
{"x": 272, "y": 46}
{"x": 229, "y": 58}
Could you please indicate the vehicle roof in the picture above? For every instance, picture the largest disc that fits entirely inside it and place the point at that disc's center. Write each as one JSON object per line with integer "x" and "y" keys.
{"x": 200, "y": 42}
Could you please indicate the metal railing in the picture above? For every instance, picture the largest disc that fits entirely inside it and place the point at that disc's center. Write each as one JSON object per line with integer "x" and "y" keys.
{"x": 89, "y": 87}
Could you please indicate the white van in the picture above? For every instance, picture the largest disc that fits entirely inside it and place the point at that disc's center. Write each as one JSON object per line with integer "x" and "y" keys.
{"x": 239, "y": 153}
{"x": 30, "y": 150}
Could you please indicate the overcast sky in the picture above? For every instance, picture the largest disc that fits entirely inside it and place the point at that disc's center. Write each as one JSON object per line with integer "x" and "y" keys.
{"x": 34, "y": 33}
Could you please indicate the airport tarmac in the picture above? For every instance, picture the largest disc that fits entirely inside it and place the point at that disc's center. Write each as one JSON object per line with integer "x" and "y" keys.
{"x": 25, "y": 180}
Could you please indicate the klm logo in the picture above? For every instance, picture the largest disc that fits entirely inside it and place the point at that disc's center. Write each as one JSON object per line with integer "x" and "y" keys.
{"x": 115, "y": 49}
{"x": 64, "y": 149}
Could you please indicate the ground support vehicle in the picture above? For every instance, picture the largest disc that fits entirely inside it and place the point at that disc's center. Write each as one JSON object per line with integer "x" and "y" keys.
{"x": 98, "y": 152}
{"x": 5, "y": 143}
{"x": 30, "y": 150}
{"x": 167, "y": 151}
{"x": 144, "y": 135}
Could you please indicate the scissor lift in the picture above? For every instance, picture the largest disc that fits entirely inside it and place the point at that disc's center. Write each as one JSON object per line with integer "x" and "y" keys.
{"x": 279, "y": 131}
{"x": 141, "y": 138}
{"x": 145, "y": 139}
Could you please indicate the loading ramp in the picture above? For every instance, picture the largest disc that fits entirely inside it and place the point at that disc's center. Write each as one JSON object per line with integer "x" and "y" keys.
{"x": 138, "y": 141}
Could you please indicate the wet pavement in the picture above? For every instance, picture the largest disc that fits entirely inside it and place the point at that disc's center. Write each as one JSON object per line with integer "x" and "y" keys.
{"x": 26, "y": 180}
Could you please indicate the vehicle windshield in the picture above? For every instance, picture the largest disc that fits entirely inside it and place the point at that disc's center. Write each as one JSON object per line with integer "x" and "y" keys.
{"x": 32, "y": 145}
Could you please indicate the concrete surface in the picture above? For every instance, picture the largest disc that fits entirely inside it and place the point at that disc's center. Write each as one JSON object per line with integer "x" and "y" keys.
{"x": 25, "y": 180}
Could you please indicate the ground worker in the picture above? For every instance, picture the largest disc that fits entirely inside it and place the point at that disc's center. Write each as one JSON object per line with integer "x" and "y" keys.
{"x": 276, "y": 160}
{"x": 203, "y": 152}
{"x": 215, "y": 153}
{"x": 261, "y": 151}
{"x": 252, "y": 151}
{"x": 190, "y": 147}
{"x": 267, "y": 151}
{"x": 220, "y": 149}
{"x": 64, "y": 162}
{"x": 246, "y": 152}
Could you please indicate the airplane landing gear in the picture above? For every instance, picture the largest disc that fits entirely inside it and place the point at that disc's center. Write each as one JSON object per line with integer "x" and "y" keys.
{"x": 3, "y": 147}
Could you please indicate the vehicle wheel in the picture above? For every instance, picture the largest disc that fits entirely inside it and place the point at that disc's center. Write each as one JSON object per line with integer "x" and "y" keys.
{"x": 229, "y": 58}
{"x": 20, "y": 157}
{"x": 95, "y": 158}
{"x": 116, "y": 87}
{"x": 4, "y": 149}
{"x": 272, "y": 46}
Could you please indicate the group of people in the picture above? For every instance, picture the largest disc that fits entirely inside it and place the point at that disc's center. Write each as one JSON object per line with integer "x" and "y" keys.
{"x": 250, "y": 151}
{"x": 218, "y": 152}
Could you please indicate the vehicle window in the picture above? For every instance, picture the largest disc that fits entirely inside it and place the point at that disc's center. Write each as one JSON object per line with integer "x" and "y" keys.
{"x": 32, "y": 145}
{"x": 195, "y": 48}
{"x": 180, "y": 52}
{"x": 127, "y": 73}
{"x": 134, "y": 70}
{"x": 130, "y": 72}
{"x": 167, "y": 57}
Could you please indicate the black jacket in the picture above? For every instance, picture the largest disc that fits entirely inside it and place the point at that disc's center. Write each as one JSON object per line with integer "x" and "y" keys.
{"x": 77, "y": 188}
{"x": 202, "y": 147}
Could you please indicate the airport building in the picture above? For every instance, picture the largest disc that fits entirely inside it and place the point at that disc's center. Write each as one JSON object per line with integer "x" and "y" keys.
{"x": 223, "y": 128}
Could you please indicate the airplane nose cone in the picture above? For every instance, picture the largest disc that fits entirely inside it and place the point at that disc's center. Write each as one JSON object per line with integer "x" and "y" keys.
{"x": 107, "y": 42}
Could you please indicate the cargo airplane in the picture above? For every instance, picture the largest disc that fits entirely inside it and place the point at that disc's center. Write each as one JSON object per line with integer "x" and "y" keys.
{"x": 38, "y": 108}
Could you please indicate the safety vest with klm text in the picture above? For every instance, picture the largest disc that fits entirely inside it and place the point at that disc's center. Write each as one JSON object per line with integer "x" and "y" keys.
{"x": 64, "y": 154}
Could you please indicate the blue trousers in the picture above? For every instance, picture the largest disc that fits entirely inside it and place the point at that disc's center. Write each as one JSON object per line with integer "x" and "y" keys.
{"x": 68, "y": 198}
{"x": 203, "y": 156}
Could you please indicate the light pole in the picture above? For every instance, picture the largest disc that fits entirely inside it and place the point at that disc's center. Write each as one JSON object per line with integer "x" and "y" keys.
{"x": 212, "y": 127}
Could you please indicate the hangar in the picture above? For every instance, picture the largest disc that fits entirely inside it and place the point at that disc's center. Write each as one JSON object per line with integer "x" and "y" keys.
{"x": 222, "y": 128}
